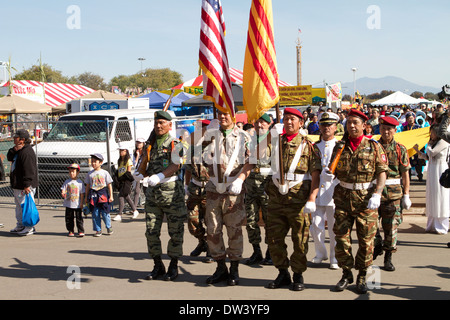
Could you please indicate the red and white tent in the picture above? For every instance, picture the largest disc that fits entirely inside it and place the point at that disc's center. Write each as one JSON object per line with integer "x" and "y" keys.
{"x": 236, "y": 75}
{"x": 55, "y": 93}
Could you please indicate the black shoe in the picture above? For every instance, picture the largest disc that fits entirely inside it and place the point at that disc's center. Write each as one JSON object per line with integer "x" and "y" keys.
{"x": 388, "y": 266}
{"x": 233, "y": 276}
{"x": 256, "y": 257}
{"x": 158, "y": 269}
{"x": 201, "y": 247}
{"x": 297, "y": 280}
{"x": 283, "y": 279}
{"x": 172, "y": 271}
{"x": 221, "y": 273}
{"x": 267, "y": 260}
{"x": 347, "y": 278}
{"x": 378, "y": 248}
{"x": 361, "y": 286}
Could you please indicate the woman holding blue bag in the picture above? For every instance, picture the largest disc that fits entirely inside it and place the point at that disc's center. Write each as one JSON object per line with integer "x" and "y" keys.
{"x": 24, "y": 179}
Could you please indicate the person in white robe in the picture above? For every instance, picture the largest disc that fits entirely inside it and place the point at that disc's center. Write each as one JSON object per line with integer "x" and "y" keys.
{"x": 437, "y": 197}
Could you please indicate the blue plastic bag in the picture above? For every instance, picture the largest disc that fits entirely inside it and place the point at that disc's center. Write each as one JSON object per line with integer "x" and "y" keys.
{"x": 30, "y": 214}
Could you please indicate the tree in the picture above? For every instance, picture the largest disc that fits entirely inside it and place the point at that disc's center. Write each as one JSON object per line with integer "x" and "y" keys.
{"x": 90, "y": 80}
{"x": 157, "y": 79}
{"x": 417, "y": 94}
{"x": 34, "y": 73}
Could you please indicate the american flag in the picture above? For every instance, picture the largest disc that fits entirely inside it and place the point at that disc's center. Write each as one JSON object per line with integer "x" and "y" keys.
{"x": 213, "y": 58}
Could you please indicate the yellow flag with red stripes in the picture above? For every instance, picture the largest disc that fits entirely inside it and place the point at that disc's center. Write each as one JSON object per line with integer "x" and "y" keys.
{"x": 260, "y": 81}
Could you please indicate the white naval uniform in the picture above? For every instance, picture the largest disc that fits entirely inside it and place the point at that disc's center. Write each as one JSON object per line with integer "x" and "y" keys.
{"x": 324, "y": 208}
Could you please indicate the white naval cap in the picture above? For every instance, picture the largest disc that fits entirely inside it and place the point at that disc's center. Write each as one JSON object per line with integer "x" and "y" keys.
{"x": 328, "y": 117}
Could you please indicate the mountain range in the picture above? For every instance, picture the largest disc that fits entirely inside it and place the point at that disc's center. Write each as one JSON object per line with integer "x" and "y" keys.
{"x": 374, "y": 85}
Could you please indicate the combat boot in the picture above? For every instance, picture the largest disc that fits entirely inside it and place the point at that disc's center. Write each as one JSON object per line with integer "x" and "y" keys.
{"x": 347, "y": 278}
{"x": 221, "y": 273}
{"x": 268, "y": 259}
{"x": 388, "y": 266}
{"x": 377, "y": 250}
{"x": 158, "y": 269}
{"x": 256, "y": 257}
{"x": 208, "y": 258}
{"x": 233, "y": 277}
{"x": 172, "y": 271}
{"x": 361, "y": 286}
{"x": 283, "y": 279}
{"x": 297, "y": 280}
{"x": 201, "y": 247}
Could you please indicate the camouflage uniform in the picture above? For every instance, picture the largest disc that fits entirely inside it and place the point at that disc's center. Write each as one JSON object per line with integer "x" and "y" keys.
{"x": 390, "y": 210}
{"x": 225, "y": 209}
{"x": 166, "y": 198}
{"x": 196, "y": 201}
{"x": 256, "y": 198}
{"x": 285, "y": 212}
{"x": 360, "y": 166}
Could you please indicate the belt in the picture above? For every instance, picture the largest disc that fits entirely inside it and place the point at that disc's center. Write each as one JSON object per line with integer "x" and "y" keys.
{"x": 392, "y": 182}
{"x": 263, "y": 171}
{"x": 199, "y": 183}
{"x": 358, "y": 185}
{"x": 170, "y": 179}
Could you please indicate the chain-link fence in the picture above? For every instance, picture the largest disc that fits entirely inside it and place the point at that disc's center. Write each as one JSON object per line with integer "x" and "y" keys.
{"x": 58, "y": 144}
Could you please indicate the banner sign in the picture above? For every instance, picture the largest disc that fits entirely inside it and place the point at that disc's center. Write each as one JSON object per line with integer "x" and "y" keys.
{"x": 334, "y": 92}
{"x": 32, "y": 93}
{"x": 194, "y": 90}
{"x": 295, "y": 95}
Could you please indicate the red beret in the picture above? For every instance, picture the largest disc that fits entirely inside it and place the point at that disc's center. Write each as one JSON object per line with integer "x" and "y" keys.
{"x": 388, "y": 120}
{"x": 293, "y": 111}
{"x": 205, "y": 122}
{"x": 357, "y": 113}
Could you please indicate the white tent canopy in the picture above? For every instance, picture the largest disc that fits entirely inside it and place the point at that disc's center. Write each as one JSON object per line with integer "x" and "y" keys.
{"x": 396, "y": 98}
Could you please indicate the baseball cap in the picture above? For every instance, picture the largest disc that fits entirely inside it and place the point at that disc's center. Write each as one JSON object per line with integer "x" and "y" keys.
{"x": 98, "y": 156}
{"x": 74, "y": 166}
{"x": 140, "y": 140}
{"x": 22, "y": 134}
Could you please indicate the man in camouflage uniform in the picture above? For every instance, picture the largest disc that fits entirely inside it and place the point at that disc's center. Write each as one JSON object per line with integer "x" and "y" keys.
{"x": 196, "y": 177}
{"x": 357, "y": 198}
{"x": 164, "y": 196}
{"x": 228, "y": 166}
{"x": 256, "y": 199}
{"x": 291, "y": 200}
{"x": 395, "y": 195}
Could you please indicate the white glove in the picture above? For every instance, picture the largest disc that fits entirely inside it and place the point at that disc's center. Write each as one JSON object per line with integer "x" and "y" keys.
{"x": 277, "y": 129}
{"x": 155, "y": 179}
{"x": 406, "y": 202}
{"x": 138, "y": 177}
{"x": 310, "y": 207}
{"x": 374, "y": 202}
{"x": 236, "y": 186}
{"x": 326, "y": 176}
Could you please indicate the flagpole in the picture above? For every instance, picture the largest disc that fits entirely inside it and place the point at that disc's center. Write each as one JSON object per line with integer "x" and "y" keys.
{"x": 280, "y": 146}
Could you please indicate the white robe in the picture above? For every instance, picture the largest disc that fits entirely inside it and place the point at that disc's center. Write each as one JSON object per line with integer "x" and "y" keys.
{"x": 437, "y": 197}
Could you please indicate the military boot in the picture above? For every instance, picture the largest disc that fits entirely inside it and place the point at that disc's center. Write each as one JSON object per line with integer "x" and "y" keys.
{"x": 221, "y": 273}
{"x": 158, "y": 269}
{"x": 268, "y": 259}
{"x": 388, "y": 266}
{"x": 256, "y": 257}
{"x": 283, "y": 279}
{"x": 297, "y": 280}
{"x": 201, "y": 247}
{"x": 347, "y": 278}
{"x": 233, "y": 276}
{"x": 361, "y": 286}
{"x": 172, "y": 271}
{"x": 208, "y": 258}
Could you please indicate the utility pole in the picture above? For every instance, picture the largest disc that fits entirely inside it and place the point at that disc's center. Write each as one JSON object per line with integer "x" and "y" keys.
{"x": 299, "y": 60}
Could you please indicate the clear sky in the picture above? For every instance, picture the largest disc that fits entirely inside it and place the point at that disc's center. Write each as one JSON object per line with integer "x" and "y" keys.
{"x": 408, "y": 39}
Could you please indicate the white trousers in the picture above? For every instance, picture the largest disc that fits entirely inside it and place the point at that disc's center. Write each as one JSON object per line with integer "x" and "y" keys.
{"x": 19, "y": 198}
{"x": 317, "y": 230}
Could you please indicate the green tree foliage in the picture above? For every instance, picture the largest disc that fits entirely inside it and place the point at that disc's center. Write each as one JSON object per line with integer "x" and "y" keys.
{"x": 90, "y": 80}
{"x": 34, "y": 73}
{"x": 156, "y": 79}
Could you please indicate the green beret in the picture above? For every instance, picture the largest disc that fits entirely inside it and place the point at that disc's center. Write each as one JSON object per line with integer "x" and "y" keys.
{"x": 266, "y": 118}
{"x": 163, "y": 115}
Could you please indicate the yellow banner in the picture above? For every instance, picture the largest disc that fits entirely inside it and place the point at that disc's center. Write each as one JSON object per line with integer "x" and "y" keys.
{"x": 295, "y": 95}
{"x": 407, "y": 138}
{"x": 194, "y": 90}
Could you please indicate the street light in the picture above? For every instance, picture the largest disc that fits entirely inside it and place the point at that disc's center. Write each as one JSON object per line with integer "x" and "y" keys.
{"x": 354, "y": 83}
{"x": 141, "y": 60}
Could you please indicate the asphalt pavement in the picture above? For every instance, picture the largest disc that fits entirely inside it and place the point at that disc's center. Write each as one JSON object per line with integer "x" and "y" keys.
{"x": 49, "y": 265}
